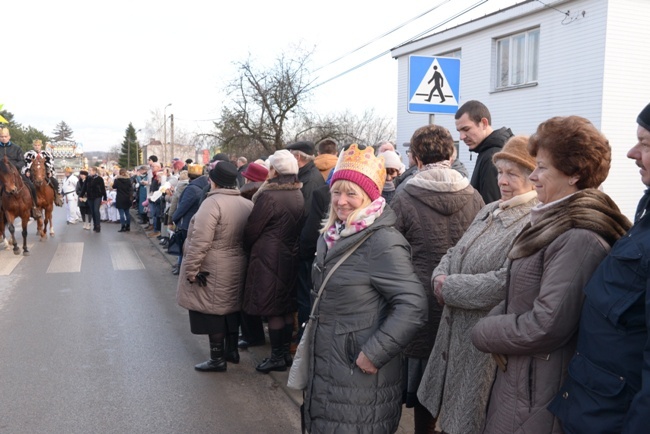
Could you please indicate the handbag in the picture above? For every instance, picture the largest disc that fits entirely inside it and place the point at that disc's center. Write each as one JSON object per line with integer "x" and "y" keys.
{"x": 299, "y": 372}
{"x": 176, "y": 240}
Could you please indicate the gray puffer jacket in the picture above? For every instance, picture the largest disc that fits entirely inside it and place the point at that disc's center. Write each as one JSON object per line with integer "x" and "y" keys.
{"x": 374, "y": 302}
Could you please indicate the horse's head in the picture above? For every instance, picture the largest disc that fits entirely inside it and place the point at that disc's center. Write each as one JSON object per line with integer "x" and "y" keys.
{"x": 8, "y": 178}
{"x": 37, "y": 170}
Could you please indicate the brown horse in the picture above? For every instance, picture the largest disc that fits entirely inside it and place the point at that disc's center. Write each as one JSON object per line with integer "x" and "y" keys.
{"x": 16, "y": 202}
{"x": 44, "y": 192}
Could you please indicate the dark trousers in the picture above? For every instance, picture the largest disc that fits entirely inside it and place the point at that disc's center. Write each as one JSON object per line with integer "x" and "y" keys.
{"x": 252, "y": 328}
{"x": 93, "y": 208}
{"x": 303, "y": 293}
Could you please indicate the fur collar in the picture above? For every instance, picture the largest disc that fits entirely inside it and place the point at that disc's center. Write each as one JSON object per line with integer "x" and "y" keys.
{"x": 588, "y": 209}
{"x": 273, "y": 185}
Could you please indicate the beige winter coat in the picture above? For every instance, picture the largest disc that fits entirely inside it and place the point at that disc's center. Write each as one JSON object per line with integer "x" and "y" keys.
{"x": 214, "y": 244}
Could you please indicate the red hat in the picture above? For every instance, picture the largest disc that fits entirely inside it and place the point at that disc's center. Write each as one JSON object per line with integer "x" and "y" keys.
{"x": 255, "y": 172}
{"x": 178, "y": 165}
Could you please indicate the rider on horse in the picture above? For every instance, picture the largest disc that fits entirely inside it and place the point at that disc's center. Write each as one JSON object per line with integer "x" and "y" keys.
{"x": 30, "y": 156}
{"x": 15, "y": 156}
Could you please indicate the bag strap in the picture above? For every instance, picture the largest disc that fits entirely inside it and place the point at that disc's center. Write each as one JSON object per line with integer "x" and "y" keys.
{"x": 329, "y": 274}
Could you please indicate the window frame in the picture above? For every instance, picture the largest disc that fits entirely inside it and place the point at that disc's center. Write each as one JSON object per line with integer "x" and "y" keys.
{"x": 522, "y": 69}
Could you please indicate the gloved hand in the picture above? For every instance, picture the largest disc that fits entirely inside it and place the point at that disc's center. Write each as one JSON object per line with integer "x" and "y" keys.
{"x": 202, "y": 278}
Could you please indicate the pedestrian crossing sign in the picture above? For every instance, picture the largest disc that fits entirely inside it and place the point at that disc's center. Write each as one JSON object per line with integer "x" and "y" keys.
{"x": 434, "y": 84}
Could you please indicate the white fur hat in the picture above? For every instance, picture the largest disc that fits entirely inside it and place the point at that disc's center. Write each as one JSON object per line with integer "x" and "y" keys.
{"x": 393, "y": 161}
{"x": 284, "y": 162}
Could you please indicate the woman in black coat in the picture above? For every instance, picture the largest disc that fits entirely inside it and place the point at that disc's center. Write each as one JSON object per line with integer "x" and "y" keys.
{"x": 124, "y": 187}
{"x": 272, "y": 234}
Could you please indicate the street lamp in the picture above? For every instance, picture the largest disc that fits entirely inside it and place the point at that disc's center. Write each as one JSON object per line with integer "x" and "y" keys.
{"x": 128, "y": 141}
{"x": 165, "y": 132}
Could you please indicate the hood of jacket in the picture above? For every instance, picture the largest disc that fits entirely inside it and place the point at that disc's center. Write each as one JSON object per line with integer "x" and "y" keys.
{"x": 444, "y": 190}
{"x": 325, "y": 162}
{"x": 496, "y": 139}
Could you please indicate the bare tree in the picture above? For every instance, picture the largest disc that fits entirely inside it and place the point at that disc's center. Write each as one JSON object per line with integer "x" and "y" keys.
{"x": 346, "y": 128}
{"x": 262, "y": 102}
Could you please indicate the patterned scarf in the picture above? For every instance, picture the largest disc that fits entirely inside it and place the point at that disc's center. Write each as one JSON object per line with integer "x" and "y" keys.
{"x": 365, "y": 218}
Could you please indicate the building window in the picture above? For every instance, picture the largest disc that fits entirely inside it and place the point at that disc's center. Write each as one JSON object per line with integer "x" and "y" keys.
{"x": 517, "y": 59}
{"x": 453, "y": 53}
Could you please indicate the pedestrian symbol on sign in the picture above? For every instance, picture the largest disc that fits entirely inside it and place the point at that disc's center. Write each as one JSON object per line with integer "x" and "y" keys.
{"x": 434, "y": 84}
{"x": 439, "y": 81}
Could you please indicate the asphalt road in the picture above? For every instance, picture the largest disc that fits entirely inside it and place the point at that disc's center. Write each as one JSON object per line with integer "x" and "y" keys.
{"x": 92, "y": 341}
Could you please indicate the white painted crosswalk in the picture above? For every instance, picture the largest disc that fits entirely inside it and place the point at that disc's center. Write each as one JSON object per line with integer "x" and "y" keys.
{"x": 69, "y": 258}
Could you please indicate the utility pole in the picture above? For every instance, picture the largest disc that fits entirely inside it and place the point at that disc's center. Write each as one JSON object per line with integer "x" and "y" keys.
{"x": 171, "y": 124}
{"x": 165, "y": 135}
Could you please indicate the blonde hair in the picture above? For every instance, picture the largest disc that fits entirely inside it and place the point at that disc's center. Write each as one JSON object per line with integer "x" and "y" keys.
{"x": 345, "y": 185}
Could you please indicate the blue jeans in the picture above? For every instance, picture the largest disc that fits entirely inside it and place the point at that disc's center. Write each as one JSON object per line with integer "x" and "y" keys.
{"x": 155, "y": 215}
{"x": 125, "y": 217}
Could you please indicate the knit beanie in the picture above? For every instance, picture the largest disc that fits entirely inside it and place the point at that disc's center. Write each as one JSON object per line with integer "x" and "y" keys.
{"x": 392, "y": 161}
{"x": 358, "y": 164}
{"x": 516, "y": 151}
{"x": 644, "y": 118}
{"x": 284, "y": 162}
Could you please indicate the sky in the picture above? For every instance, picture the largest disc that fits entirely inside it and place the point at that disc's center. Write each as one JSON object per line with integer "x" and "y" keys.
{"x": 100, "y": 65}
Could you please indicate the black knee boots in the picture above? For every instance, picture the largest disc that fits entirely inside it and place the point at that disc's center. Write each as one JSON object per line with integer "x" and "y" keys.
{"x": 217, "y": 362}
{"x": 276, "y": 362}
{"x": 286, "y": 345}
{"x": 232, "y": 350}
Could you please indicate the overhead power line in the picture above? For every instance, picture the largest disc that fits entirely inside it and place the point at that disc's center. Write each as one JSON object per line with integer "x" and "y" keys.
{"x": 383, "y": 35}
{"x": 453, "y": 17}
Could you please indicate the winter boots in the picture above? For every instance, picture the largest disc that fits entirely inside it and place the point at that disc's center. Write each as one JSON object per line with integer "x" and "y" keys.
{"x": 286, "y": 344}
{"x": 217, "y": 362}
{"x": 123, "y": 228}
{"x": 277, "y": 360}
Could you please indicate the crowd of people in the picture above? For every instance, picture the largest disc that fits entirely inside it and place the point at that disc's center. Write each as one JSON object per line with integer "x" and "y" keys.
{"x": 514, "y": 301}
{"x": 523, "y": 312}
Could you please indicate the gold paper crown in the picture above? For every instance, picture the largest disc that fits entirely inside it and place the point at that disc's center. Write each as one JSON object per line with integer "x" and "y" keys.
{"x": 195, "y": 169}
{"x": 364, "y": 162}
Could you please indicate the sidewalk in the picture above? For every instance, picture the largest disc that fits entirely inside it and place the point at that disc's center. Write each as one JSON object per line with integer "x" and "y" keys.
{"x": 259, "y": 353}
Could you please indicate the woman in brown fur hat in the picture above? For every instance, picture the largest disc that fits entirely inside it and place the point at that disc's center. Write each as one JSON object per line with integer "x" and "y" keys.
{"x": 532, "y": 333}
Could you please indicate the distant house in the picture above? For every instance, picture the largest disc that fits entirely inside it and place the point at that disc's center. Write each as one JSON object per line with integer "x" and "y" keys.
{"x": 535, "y": 60}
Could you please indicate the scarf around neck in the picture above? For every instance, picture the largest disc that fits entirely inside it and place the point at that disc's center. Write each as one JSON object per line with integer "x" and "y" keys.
{"x": 588, "y": 209}
{"x": 365, "y": 218}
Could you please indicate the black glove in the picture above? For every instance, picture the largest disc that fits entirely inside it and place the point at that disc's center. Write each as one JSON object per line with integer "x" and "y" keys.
{"x": 202, "y": 278}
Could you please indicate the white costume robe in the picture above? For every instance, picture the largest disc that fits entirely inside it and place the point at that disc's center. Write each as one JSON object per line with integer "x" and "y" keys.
{"x": 70, "y": 199}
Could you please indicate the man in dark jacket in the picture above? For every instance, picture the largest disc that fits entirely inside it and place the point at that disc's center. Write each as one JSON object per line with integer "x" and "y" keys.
{"x": 474, "y": 123}
{"x": 608, "y": 387}
{"x": 188, "y": 204}
{"x": 95, "y": 191}
{"x": 308, "y": 173}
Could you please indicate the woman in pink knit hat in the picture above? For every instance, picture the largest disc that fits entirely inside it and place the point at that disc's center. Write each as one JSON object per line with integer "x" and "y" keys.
{"x": 369, "y": 308}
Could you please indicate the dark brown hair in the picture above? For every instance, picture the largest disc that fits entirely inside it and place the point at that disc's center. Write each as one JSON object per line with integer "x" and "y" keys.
{"x": 432, "y": 143}
{"x": 576, "y": 148}
{"x": 475, "y": 110}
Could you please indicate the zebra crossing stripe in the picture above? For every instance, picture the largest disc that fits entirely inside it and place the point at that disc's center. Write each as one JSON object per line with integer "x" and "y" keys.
{"x": 67, "y": 258}
{"x": 124, "y": 257}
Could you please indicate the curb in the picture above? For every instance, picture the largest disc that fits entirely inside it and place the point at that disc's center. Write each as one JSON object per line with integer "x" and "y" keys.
{"x": 257, "y": 353}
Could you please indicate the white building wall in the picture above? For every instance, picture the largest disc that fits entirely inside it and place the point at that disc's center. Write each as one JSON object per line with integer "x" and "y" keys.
{"x": 589, "y": 67}
{"x": 626, "y": 90}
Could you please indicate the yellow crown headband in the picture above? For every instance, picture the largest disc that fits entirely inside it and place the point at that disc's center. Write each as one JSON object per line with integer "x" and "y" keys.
{"x": 359, "y": 164}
